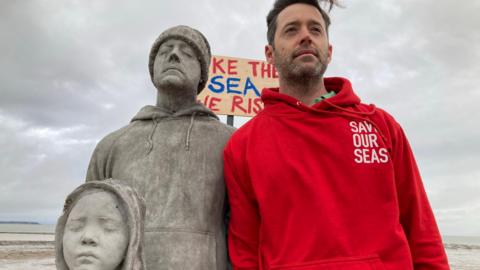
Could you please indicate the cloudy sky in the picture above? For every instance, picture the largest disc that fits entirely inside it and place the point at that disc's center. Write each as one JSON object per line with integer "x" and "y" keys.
{"x": 73, "y": 71}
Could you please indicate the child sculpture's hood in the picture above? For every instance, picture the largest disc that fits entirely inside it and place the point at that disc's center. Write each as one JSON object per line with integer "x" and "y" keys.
{"x": 134, "y": 207}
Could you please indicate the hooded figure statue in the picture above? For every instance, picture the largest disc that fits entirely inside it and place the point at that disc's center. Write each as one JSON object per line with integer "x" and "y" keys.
{"x": 171, "y": 154}
{"x": 106, "y": 236}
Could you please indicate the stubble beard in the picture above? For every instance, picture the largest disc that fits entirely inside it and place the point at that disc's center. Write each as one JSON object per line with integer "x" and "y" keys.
{"x": 297, "y": 72}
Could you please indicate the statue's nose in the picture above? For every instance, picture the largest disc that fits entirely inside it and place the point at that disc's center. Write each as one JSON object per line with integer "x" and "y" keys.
{"x": 173, "y": 56}
{"x": 89, "y": 237}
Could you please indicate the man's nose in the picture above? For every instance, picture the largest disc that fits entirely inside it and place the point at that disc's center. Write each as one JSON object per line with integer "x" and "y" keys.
{"x": 305, "y": 36}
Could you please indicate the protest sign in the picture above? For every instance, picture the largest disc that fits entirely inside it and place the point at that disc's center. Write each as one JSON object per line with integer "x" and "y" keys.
{"x": 235, "y": 85}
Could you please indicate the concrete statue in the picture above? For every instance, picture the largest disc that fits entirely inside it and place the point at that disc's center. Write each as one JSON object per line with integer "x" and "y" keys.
{"x": 171, "y": 153}
{"x": 101, "y": 228}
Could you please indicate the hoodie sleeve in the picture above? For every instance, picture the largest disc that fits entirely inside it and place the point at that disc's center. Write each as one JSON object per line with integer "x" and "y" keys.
{"x": 96, "y": 167}
{"x": 416, "y": 215}
{"x": 244, "y": 223}
{"x": 101, "y": 161}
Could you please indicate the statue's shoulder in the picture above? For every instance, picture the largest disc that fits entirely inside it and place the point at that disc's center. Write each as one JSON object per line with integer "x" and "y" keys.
{"x": 216, "y": 126}
{"x": 107, "y": 142}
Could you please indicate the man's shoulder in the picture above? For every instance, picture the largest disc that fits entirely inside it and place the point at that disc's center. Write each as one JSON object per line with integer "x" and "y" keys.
{"x": 376, "y": 112}
{"x": 215, "y": 124}
{"x": 249, "y": 130}
{"x": 388, "y": 125}
{"x": 387, "y": 118}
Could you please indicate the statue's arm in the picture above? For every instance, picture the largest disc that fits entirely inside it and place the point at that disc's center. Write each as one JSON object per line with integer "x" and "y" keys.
{"x": 99, "y": 167}
{"x": 96, "y": 167}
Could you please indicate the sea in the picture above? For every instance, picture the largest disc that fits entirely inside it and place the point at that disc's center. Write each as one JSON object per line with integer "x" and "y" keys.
{"x": 27, "y": 228}
{"x": 463, "y": 251}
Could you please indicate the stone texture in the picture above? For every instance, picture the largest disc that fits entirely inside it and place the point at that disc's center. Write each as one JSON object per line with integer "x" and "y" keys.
{"x": 106, "y": 220}
{"x": 171, "y": 154}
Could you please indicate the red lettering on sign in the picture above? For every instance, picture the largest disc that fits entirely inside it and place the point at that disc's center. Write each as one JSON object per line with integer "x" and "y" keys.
{"x": 247, "y": 106}
{"x": 232, "y": 66}
{"x": 254, "y": 67}
{"x": 217, "y": 64}
{"x": 213, "y": 104}
{"x": 237, "y": 103}
{"x": 205, "y": 100}
{"x": 266, "y": 70}
{"x": 257, "y": 105}
{"x": 275, "y": 73}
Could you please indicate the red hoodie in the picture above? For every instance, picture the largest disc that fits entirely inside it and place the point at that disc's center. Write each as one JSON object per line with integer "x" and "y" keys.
{"x": 332, "y": 186}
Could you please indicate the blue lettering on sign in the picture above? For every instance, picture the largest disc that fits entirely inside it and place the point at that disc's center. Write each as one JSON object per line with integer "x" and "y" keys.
{"x": 232, "y": 85}
{"x": 215, "y": 82}
{"x": 249, "y": 85}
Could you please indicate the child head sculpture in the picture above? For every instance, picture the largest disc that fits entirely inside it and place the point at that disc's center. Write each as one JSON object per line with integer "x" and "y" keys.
{"x": 101, "y": 228}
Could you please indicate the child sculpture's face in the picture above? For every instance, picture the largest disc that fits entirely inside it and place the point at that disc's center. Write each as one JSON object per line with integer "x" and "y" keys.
{"x": 96, "y": 235}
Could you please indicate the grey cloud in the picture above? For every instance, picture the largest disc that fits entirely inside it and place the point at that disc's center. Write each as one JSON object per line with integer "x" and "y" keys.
{"x": 419, "y": 61}
{"x": 41, "y": 167}
{"x": 73, "y": 71}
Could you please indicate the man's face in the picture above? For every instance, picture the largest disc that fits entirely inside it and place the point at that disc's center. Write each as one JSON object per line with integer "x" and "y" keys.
{"x": 96, "y": 235}
{"x": 301, "y": 47}
{"x": 176, "y": 65}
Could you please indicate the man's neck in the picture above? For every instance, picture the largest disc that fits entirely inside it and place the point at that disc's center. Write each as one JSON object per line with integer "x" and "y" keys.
{"x": 175, "y": 100}
{"x": 305, "y": 91}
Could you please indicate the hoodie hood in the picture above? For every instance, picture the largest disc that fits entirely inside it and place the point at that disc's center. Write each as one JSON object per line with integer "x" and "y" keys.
{"x": 150, "y": 112}
{"x": 156, "y": 114}
{"x": 134, "y": 208}
{"x": 345, "y": 103}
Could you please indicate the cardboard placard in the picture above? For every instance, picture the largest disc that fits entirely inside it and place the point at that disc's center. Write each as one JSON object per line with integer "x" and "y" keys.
{"x": 235, "y": 84}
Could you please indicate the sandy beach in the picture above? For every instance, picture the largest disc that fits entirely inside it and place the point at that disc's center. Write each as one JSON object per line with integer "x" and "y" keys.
{"x": 27, "y": 251}
{"x": 36, "y": 251}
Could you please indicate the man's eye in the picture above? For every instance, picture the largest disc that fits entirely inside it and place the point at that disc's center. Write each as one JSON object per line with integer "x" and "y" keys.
{"x": 316, "y": 29}
{"x": 290, "y": 30}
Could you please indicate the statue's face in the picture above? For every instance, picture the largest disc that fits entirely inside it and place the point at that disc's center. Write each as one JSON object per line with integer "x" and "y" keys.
{"x": 176, "y": 66}
{"x": 96, "y": 235}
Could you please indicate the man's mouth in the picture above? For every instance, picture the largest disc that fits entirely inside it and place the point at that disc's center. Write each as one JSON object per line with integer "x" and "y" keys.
{"x": 302, "y": 52}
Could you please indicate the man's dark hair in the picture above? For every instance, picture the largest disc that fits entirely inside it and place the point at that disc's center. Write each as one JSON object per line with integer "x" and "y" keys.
{"x": 280, "y": 5}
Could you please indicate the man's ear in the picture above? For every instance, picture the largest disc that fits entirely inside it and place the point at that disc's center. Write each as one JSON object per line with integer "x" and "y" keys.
{"x": 269, "y": 54}
{"x": 330, "y": 51}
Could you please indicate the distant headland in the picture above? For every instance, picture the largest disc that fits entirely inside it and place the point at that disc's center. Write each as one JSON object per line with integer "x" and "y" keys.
{"x": 19, "y": 222}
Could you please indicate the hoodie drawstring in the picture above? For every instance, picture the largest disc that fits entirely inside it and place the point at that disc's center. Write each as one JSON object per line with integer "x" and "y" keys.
{"x": 155, "y": 125}
{"x": 150, "y": 138}
{"x": 189, "y": 131}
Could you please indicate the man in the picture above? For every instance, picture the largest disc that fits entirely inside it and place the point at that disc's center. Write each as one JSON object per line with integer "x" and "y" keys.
{"x": 171, "y": 154}
{"x": 318, "y": 180}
